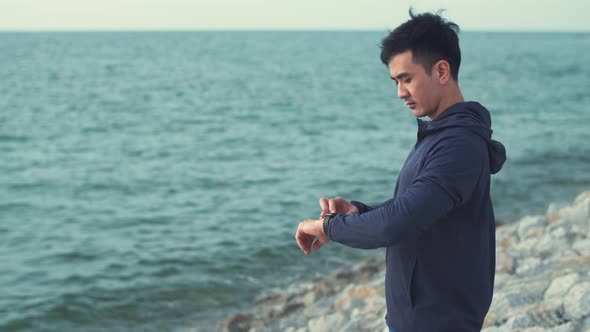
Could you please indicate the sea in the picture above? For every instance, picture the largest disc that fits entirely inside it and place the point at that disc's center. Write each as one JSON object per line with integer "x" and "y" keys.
{"x": 153, "y": 181}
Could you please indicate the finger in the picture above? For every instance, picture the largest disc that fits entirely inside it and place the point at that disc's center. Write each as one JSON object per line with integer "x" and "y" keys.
{"x": 299, "y": 238}
{"x": 352, "y": 209}
{"x": 324, "y": 206}
{"x": 318, "y": 244}
{"x": 304, "y": 241}
{"x": 332, "y": 205}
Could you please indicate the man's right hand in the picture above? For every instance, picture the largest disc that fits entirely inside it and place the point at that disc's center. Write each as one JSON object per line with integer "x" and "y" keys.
{"x": 336, "y": 205}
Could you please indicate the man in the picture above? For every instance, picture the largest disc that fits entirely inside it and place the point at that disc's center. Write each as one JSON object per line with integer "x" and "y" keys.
{"x": 439, "y": 227}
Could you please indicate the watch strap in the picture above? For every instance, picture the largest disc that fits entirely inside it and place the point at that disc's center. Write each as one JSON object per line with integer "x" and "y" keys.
{"x": 326, "y": 223}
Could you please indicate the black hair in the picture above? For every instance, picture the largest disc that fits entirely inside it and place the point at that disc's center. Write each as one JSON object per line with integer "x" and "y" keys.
{"x": 430, "y": 37}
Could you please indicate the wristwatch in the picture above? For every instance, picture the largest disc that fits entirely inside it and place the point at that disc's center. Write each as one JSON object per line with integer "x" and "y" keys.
{"x": 327, "y": 218}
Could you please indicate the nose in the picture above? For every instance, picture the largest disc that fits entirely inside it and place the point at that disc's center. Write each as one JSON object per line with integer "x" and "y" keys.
{"x": 402, "y": 92}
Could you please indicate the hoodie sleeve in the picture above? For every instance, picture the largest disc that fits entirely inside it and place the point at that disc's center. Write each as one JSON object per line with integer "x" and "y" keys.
{"x": 451, "y": 171}
{"x": 362, "y": 207}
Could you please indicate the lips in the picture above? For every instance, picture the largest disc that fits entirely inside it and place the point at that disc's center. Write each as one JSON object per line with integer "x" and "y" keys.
{"x": 411, "y": 105}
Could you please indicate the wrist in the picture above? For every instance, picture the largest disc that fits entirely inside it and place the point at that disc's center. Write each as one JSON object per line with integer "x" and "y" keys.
{"x": 326, "y": 224}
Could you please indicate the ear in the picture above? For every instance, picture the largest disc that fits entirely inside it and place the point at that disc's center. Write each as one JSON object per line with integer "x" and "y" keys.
{"x": 442, "y": 71}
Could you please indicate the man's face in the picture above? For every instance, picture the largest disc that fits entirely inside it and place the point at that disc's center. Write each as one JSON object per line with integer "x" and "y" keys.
{"x": 419, "y": 89}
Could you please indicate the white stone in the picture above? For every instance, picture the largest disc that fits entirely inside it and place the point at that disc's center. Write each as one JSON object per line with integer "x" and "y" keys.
{"x": 500, "y": 304}
{"x": 505, "y": 302}
{"x": 560, "y": 286}
{"x": 567, "y": 327}
{"x": 559, "y": 232}
{"x": 554, "y": 208}
{"x": 309, "y": 299}
{"x": 530, "y": 226}
{"x": 583, "y": 196}
{"x": 354, "y": 303}
{"x": 580, "y": 212}
{"x": 582, "y": 203}
{"x": 533, "y": 287}
{"x": 520, "y": 321}
{"x": 548, "y": 246}
{"x": 526, "y": 247}
{"x": 529, "y": 265}
{"x": 504, "y": 263}
{"x": 577, "y": 301}
{"x": 580, "y": 231}
{"x": 326, "y": 322}
{"x": 506, "y": 231}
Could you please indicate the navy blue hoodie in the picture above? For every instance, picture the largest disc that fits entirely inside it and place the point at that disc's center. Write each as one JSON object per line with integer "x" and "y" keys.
{"x": 439, "y": 227}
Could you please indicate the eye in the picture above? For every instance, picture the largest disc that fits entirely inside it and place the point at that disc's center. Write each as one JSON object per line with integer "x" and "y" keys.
{"x": 407, "y": 81}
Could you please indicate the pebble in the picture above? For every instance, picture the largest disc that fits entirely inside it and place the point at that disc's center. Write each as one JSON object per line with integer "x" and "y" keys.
{"x": 577, "y": 301}
{"x": 560, "y": 286}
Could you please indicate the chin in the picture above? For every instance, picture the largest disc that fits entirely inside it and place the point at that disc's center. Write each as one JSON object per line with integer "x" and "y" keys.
{"x": 418, "y": 113}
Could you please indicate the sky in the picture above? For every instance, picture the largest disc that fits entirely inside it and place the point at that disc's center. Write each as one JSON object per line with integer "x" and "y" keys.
{"x": 488, "y": 15}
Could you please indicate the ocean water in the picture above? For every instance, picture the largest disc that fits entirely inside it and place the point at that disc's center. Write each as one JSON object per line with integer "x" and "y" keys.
{"x": 153, "y": 181}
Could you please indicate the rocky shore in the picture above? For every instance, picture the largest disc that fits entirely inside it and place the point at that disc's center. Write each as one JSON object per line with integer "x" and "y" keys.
{"x": 542, "y": 284}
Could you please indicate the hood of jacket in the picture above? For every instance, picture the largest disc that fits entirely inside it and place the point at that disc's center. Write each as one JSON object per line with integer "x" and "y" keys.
{"x": 472, "y": 116}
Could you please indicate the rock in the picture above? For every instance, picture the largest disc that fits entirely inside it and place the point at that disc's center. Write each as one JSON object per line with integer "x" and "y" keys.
{"x": 504, "y": 263}
{"x": 548, "y": 314}
{"x": 326, "y": 323}
{"x": 567, "y": 327}
{"x": 489, "y": 320}
{"x": 520, "y": 321}
{"x": 506, "y": 242}
{"x": 309, "y": 299}
{"x": 574, "y": 261}
{"x": 582, "y": 203}
{"x": 529, "y": 265}
{"x": 579, "y": 211}
{"x": 236, "y": 323}
{"x": 354, "y": 303}
{"x": 584, "y": 196}
{"x": 548, "y": 246}
{"x": 359, "y": 292}
{"x": 530, "y": 226}
{"x": 582, "y": 246}
{"x": 507, "y": 231}
{"x": 585, "y": 325}
{"x": 499, "y": 307}
{"x": 363, "y": 324}
{"x": 505, "y": 305}
{"x": 551, "y": 218}
{"x": 526, "y": 247}
{"x": 493, "y": 329}
{"x": 532, "y": 329}
{"x": 559, "y": 233}
{"x": 560, "y": 286}
{"x": 500, "y": 280}
{"x": 577, "y": 301}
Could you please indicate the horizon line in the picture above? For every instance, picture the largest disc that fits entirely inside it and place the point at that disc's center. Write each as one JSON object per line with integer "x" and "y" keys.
{"x": 98, "y": 30}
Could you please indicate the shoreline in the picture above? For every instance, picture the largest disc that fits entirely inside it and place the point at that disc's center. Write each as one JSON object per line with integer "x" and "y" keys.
{"x": 542, "y": 284}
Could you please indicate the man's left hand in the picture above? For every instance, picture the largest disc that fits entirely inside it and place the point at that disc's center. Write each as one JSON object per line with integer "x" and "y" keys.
{"x": 307, "y": 231}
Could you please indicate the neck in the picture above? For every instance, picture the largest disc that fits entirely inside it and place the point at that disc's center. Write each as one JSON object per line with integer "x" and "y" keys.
{"x": 451, "y": 97}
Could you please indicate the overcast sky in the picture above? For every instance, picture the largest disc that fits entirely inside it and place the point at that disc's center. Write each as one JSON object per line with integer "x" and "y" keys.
{"x": 545, "y": 15}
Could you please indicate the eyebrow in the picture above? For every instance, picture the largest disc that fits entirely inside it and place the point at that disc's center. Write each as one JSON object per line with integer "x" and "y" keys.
{"x": 400, "y": 76}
